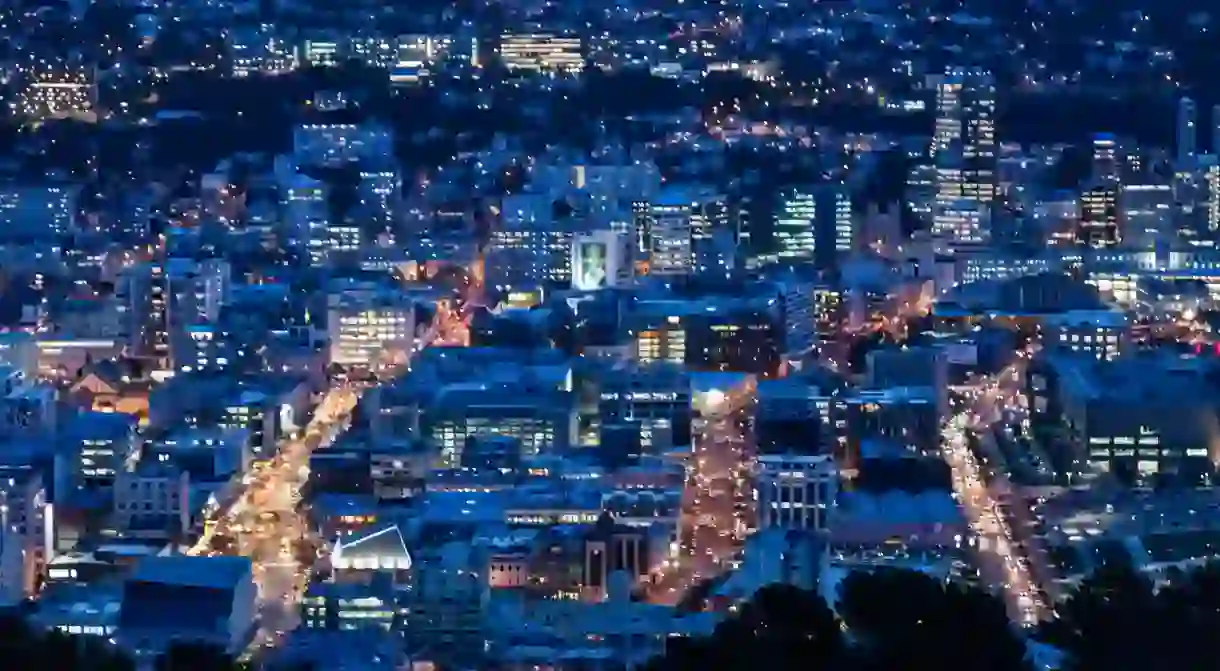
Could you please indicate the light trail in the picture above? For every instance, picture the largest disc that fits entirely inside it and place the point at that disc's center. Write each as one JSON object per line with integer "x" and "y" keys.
{"x": 263, "y": 520}
{"x": 711, "y": 525}
{"x": 1009, "y": 566}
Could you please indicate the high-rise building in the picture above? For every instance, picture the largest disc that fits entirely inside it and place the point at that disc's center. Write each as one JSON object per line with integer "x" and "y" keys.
{"x": 1146, "y": 214}
{"x": 1188, "y": 121}
{"x": 1099, "y": 217}
{"x": 682, "y": 231}
{"x": 795, "y": 491}
{"x": 964, "y": 143}
{"x": 1212, "y": 176}
{"x": 1105, "y": 158}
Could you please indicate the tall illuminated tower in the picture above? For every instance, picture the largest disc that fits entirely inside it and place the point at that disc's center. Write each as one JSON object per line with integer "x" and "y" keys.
{"x": 1188, "y": 124}
{"x": 964, "y": 153}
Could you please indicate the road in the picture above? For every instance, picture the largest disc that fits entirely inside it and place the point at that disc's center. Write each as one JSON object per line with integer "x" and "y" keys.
{"x": 715, "y": 515}
{"x": 265, "y": 524}
{"x": 1004, "y": 560}
{"x": 263, "y": 520}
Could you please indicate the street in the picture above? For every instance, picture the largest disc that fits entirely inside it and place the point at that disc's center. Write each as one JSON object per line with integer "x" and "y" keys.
{"x": 1004, "y": 560}
{"x": 716, "y": 500}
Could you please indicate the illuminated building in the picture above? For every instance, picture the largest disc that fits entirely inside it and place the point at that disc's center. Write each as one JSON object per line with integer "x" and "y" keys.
{"x": 1099, "y": 217}
{"x": 195, "y": 292}
{"x": 654, "y": 397}
{"x": 531, "y": 247}
{"x": 540, "y": 52}
{"x": 55, "y": 92}
{"x": 962, "y": 222}
{"x": 1134, "y": 417}
{"x": 795, "y": 491}
{"x": 543, "y": 421}
{"x": 27, "y": 518}
{"x": 321, "y": 52}
{"x": 341, "y": 143}
{"x": 814, "y": 224}
{"x": 378, "y": 192}
{"x": 1105, "y": 161}
{"x": 601, "y": 259}
{"x": 1213, "y": 194}
{"x": 106, "y": 441}
{"x": 38, "y": 210}
{"x": 795, "y": 237}
{"x": 963, "y": 144}
{"x": 1097, "y": 333}
{"x": 258, "y": 50}
{"x": 1146, "y": 214}
{"x": 374, "y": 52}
{"x": 1187, "y": 131}
{"x": 417, "y": 56}
{"x": 352, "y": 606}
{"x": 681, "y": 226}
{"x": 370, "y": 330}
{"x": 307, "y": 215}
{"x": 382, "y": 549}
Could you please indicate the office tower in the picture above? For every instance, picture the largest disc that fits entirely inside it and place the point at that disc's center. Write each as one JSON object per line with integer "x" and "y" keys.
{"x": 195, "y": 292}
{"x": 964, "y": 144}
{"x": 306, "y": 215}
{"x": 1146, "y": 214}
{"x": 37, "y": 210}
{"x": 370, "y": 330}
{"x": 795, "y": 237}
{"x": 1105, "y": 161}
{"x": 542, "y": 53}
{"x": 1212, "y": 177}
{"x": 1099, "y": 217}
{"x": 532, "y": 246}
{"x": 682, "y": 238}
{"x": 1187, "y": 130}
{"x": 795, "y": 491}
{"x": 962, "y": 222}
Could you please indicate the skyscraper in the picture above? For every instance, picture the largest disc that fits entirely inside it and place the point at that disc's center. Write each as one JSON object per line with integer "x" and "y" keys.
{"x": 964, "y": 153}
{"x": 964, "y": 138}
{"x": 1187, "y": 130}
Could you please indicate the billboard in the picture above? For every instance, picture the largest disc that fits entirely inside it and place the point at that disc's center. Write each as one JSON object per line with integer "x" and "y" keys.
{"x": 591, "y": 269}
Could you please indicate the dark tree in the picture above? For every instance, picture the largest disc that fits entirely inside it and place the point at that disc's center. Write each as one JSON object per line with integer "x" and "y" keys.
{"x": 1117, "y": 618}
{"x": 195, "y": 656}
{"x": 908, "y": 619}
{"x": 782, "y": 627}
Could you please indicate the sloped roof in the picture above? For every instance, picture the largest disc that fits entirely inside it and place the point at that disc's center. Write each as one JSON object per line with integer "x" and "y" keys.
{"x": 383, "y": 543}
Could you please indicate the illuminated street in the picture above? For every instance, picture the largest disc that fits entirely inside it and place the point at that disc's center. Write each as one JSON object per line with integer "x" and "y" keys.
{"x": 265, "y": 524}
{"x": 263, "y": 520}
{"x": 1004, "y": 560}
{"x": 715, "y": 507}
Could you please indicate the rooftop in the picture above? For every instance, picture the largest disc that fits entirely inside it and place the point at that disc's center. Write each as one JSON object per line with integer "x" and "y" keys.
{"x": 222, "y": 573}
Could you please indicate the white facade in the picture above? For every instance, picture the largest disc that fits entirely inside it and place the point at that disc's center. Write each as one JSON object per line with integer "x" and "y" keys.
{"x": 795, "y": 491}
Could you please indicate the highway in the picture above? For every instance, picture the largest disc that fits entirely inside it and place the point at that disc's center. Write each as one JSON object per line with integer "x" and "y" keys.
{"x": 1005, "y": 562}
{"x": 715, "y": 515}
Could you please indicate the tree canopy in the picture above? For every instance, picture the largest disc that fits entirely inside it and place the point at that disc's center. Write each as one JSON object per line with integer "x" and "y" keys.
{"x": 888, "y": 620}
